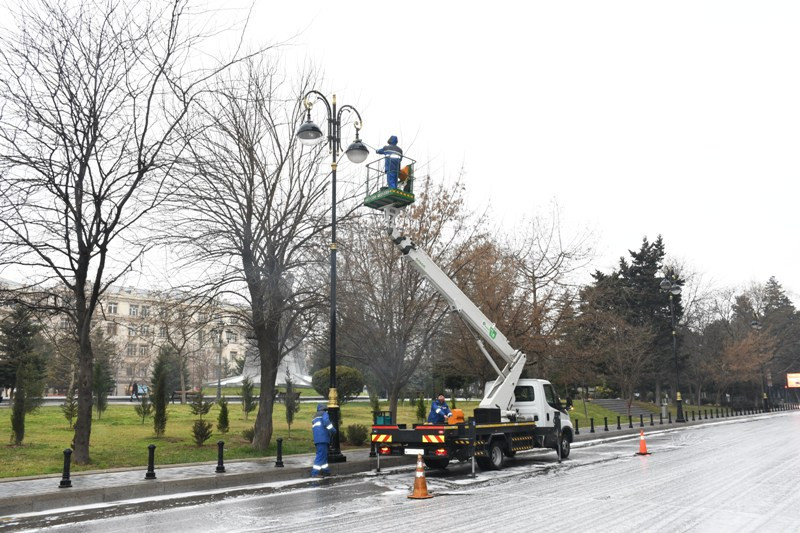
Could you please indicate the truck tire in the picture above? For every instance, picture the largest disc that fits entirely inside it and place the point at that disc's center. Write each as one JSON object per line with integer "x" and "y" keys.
{"x": 495, "y": 457}
{"x": 565, "y": 447}
{"x": 439, "y": 463}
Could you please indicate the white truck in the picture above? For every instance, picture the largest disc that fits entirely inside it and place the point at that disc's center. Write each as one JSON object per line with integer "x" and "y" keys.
{"x": 515, "y": 414}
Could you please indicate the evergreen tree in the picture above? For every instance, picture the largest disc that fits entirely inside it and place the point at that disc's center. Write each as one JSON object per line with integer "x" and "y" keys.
{"x": 24, "y": 364}
{"x": 102, "y": 384}
{"x": 70, "y": 407}
{"x": 422, "y": 409}
{"x": 292, "y": 402}
{"x": 201, "y": 429}
{"x": 223, "y": 422}
{"x": 248, "y": 400}
{"x": 200, "y": 406}
{"x": 144, "y": 408}
{"x": 159, "y": 386}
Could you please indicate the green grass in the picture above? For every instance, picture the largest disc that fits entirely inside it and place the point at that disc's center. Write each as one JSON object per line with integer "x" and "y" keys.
{"x": 597, "y": 412}
{"x": 120, "y": 440}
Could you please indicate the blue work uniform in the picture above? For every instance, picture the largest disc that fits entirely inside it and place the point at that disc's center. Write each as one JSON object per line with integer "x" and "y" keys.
{"x": 439, "y": 412}
{"x": 322, "y": 429}
{"x": 393, "y": 154}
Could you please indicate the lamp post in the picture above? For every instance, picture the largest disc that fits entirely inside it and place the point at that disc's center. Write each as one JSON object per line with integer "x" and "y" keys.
{"x": 309, "y": 134}
{"x": 220, "y": 342}
{"x": 672, "y": 288}
{"x": 756, "y": 325}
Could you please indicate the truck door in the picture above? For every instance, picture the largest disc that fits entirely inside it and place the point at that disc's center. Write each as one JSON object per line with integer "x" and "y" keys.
{"x": 525, "y": 403}
{"x": 551, "y": 405}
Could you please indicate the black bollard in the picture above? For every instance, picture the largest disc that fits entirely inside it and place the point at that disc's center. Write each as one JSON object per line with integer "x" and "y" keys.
{"x": 372, "y": 450}
{"x": 630, "y": 422}
{"x": 279, "y": 459}
{"x": 651, "y": 419}
{"x": 705, "y": 412}
{"x": 661, "y": 418}
{"x": 711, "y": 413}
{"x": 220, "y": 465}
{"x": 692, "y": 416}
{"x": 641, "y": 420}
{"x": 151, "y": 460}
{"x": 619, "y": 426}
{"x": 577, "y": 426}
{"x": 65, "y": 481}
{"x": 591, "y": 425}
{"x": 716, "y": 411}
{"x": 605, "y": 423}
{"x": 669, "y": 417}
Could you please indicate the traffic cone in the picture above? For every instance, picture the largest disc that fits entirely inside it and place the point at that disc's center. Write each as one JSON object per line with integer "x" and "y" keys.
{"x": 642, "y": 444}
{"x": 420, "y": 485}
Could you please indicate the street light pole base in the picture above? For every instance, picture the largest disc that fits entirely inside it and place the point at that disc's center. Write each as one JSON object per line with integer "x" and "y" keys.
{"x": 679, "y": 417}
{"x": 336, "y": 457}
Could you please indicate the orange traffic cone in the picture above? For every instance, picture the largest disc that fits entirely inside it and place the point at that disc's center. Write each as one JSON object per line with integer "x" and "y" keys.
{"x": 420, "y": 485}
{"x": 642, "y": 444}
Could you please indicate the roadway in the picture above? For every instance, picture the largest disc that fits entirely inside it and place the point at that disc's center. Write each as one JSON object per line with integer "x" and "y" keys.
{"x": 733, "y": 475}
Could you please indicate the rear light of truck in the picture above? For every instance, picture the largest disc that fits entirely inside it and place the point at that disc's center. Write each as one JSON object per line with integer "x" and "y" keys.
{"x": 441, "y": 452}
{"x": 385, "y": 450}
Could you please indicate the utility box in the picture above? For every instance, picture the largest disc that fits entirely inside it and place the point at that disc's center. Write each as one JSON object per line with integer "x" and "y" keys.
{"x": 382, "y": 418}
{"x": 664, "y": 412}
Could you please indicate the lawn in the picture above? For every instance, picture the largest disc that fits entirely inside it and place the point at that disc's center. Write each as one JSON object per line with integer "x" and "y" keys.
{"x": 119, "y": 439}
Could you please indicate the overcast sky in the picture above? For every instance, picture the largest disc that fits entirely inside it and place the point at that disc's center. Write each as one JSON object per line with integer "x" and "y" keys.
{"x": 638, "y": 118}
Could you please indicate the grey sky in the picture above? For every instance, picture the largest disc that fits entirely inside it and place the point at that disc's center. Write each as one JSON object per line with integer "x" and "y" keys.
{"x": 637, "y": 118}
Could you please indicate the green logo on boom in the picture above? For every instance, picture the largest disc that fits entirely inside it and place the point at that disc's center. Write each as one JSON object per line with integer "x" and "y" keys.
{"x": 492, "y": 333}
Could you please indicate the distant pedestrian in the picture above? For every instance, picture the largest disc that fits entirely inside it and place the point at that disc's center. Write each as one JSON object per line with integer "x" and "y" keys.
{"x": 134, "y": 391}
{"x": 322, "y": 429}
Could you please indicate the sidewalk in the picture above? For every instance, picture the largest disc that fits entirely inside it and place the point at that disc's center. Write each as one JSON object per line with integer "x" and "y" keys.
{"x": 27, "y": 495}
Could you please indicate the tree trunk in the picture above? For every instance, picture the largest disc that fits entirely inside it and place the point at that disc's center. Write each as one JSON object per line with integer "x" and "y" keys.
{"x": 393, "y": 394}
{"x": 269, "y": 351}
{"x": 83, "y": 425}
{"x": 658, "y": 392}
{"x": 183, "y": 387}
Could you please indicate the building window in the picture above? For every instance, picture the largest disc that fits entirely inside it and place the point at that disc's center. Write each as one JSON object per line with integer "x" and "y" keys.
{"x": 133, "y": 310}
{"x": 200, "y": 337}
{"x": 142, "y": 350}
{"x": 162, "y": 331}
{"x": 129, "y": 371}
{"x": 144, "y": 330}
{"x": 131, "y": 331}
{"x": 112, "y": 308}
{"x": 232, "y": 336}
{"x": 64, "y": 323}
{"x": 130, "y": 350}
{"x": 145, "y": 310}
{"x": 111, "y": 329}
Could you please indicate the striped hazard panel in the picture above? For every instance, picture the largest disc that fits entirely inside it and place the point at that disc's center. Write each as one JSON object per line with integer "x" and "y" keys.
{"x": 434, "y": 439}
{"x": 381, "y": 438}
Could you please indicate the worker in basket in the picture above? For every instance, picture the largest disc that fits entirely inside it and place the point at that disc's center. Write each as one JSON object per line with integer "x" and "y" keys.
{"x": 439, "y": 411}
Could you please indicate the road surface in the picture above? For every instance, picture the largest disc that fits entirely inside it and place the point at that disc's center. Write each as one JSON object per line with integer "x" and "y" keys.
{"x": 734, "y": 475}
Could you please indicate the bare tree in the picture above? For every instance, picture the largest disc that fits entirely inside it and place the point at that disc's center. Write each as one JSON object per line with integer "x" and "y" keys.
{"x": 391, "y": 318}
{"x": 254, "y": 213}
{"x": 92, "y": 92}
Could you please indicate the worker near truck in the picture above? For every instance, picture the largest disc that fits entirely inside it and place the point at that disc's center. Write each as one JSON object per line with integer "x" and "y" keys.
{"x": 322, "y": 429}
{"x": 439, "y": 411}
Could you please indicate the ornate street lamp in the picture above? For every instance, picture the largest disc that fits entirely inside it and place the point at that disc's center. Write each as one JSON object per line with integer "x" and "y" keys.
{"x": 310, "y": 134}
{"x": 672, "y": 288}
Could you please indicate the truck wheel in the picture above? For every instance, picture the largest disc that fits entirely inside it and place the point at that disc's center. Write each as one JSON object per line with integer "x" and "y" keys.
{"x": 564, "y": 446}
{"x": 496, "y": 456}
{"x": 436, "y": 462}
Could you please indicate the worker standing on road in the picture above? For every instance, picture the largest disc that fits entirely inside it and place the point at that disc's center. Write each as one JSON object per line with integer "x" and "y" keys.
{"x": 322, "y": 429}
{"x": 439, "y": 411}
{"x": 393, "y": 154}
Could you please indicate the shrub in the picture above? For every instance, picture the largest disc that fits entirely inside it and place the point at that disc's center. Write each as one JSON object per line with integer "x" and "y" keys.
{"x": 349, "y": 382}
{"x": 356, "y": 434}
{"x": 249, "y": 433}
{"x": 374, "y": 402}
{"x": 201, "y": 431}
{"x": 223, "y": 424}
